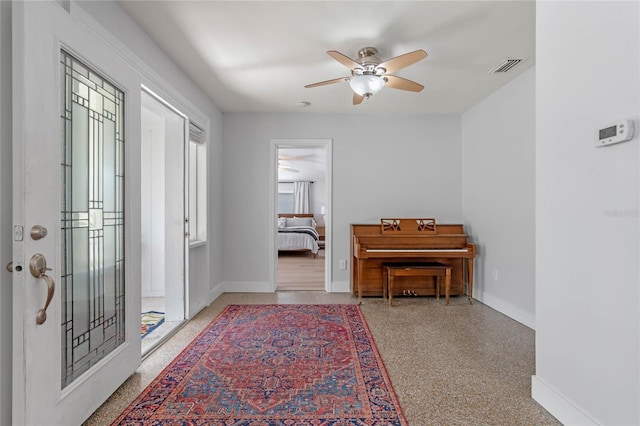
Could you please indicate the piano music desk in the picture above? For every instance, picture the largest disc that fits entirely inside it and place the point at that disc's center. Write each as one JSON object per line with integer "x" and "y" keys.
{"x": 427, "y": 269}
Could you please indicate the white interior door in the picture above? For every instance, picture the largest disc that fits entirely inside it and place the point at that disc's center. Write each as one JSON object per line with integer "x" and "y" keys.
{"x": 76, "y": 159}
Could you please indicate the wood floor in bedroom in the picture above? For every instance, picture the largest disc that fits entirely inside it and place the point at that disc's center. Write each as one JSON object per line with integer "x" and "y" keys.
{"x": 300, "y": 271}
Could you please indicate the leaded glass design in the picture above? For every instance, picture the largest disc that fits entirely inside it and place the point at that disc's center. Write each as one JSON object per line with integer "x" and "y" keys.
{"x": 92, "y": 212}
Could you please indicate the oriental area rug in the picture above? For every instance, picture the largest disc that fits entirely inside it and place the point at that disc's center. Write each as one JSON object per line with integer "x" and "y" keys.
{"x": 264, "y": 365}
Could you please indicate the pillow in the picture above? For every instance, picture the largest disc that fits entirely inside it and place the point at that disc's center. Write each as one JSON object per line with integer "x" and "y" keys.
{"x": 299, "y": 221}
{"x": 282, "y": 222}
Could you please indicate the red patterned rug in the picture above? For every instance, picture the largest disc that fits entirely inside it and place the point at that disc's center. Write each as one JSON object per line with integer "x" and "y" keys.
{"x": 267, "y": 365}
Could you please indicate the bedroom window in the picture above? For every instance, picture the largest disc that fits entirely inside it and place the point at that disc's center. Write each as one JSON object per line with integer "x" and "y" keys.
{"x": 197, "y": 186}
{"x": 285, "y": 197}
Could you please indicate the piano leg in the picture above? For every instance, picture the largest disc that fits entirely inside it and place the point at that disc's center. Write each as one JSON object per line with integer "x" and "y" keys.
{"x": 470, "y": 279}
{"x": 447, "y": 285}
{"x": 390, "y": 283}
{"x": 360, "y": 274}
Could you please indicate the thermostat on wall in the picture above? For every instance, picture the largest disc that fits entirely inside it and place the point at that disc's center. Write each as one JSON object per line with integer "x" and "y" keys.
{"x": 620, "y": 131}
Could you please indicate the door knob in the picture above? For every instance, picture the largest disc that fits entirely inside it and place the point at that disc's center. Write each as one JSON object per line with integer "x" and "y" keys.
{"x": 38, "y": 268}
{"x": 38, "y": 232}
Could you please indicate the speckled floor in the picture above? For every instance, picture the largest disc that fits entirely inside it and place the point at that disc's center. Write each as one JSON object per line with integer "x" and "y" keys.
{"x": 450, "y": 365}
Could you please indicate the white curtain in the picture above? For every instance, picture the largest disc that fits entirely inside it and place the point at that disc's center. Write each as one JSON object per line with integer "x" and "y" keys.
{"x": 301, "y": 197}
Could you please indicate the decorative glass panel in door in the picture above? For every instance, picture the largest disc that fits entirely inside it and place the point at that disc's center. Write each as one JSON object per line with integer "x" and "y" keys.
{"x": 92, "y": 214}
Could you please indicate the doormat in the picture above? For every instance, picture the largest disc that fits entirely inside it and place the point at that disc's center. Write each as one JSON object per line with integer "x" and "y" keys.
{"x": 274, "y": 365}
{"x": 150, "y": 321}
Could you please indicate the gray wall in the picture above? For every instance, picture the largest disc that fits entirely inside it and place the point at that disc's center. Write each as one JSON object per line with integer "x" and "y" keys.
{"x": 498, "y": 196}
{"x": 587, "y": 217}
{"x": 383, "y": 166}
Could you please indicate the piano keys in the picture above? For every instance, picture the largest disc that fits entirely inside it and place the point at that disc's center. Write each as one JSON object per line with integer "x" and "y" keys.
{"x": 409, "y": 240}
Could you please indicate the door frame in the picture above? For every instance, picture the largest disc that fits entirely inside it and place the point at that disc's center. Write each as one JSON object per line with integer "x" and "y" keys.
{"x": 182, "y": 292}
{"x": 275, "y": 144}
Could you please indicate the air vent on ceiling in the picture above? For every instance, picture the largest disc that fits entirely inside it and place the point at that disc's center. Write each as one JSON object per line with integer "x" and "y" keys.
{"x": 506, "y": 65}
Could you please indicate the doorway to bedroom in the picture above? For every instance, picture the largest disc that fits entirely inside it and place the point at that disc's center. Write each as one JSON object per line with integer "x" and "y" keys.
{"x": 301, "y": 200}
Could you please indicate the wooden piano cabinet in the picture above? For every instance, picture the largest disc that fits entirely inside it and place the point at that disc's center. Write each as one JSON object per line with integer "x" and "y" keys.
{"x": 370, "y": 249}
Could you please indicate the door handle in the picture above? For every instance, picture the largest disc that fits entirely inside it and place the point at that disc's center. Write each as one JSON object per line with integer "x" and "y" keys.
{"x": 38, "y": 268}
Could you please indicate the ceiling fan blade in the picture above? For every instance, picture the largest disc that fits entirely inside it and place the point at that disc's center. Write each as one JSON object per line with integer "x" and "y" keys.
{"x": 324, "y": 83}
{"x": 357, "y": 99}
{"x": 288, "y": 169}
{"x": 343, "y": 59}
{"x": 394, "y": 64}
{"x": 295, "y": 157}
{"x": 403, "y": 84}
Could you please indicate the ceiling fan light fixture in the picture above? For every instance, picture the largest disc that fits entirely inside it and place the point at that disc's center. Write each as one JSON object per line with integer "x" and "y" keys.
{"x": 366, "y": 85}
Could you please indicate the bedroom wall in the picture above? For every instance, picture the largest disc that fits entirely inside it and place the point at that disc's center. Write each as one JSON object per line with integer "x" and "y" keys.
{"x": 498, "y": 196}
{"x": 587, "y": 220}
{"x": 205, "y": 272}
{"x": 383, "y": 165}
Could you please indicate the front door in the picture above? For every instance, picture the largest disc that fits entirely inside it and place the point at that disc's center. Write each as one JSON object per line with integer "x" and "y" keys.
{"x": 76, "y": 251}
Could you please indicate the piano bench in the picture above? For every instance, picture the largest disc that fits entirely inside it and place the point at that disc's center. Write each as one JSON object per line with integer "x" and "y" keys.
{"x": 421, "y": 269}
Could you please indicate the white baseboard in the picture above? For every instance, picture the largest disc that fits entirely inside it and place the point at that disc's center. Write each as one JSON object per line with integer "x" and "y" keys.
{"x": 561, "y": 408}
{"x": 215, "y": 292}
{"x": 508, "y": 309}
{"x": 153, "y": 294}
{"x": 246, "y": 287}
{"x": 195, "y": 310}
{"x": 340, "y": 287}
{"x": 264, "y": 287}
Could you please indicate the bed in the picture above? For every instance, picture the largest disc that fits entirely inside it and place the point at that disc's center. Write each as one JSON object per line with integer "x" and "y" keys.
{"x": 297, "y": 232}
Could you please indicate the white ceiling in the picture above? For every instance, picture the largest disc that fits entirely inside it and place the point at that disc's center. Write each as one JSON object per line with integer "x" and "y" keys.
{"x": 302, "y": 164}
{"x": 257, "y": 56}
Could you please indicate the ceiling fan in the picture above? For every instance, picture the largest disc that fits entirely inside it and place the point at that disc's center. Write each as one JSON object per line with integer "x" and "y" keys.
{"x": 282, "y": 168}
{"x": 287, "y": 169}
{"x": 293, "y": 158}
{"x": 369, "y": 73}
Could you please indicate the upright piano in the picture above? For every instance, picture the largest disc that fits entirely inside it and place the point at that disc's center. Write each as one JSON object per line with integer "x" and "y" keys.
{"x": 406, "y": 240}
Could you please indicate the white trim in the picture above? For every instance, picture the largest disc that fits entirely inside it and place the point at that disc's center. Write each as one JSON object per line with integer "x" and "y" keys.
{"x": 215, "y": 292}
{"x": 340, "y": 287}
{"x": 263, "y": 287}
{"x": 507, "y": 308}
{"x": 161, "y": 100}
{"x": 327, "y": 144}
{"x": 558, "y": 405}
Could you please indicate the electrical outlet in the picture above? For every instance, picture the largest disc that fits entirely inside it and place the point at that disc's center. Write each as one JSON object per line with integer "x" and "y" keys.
{"x": 342, "y": 264}
{"x": 495, "y": 274}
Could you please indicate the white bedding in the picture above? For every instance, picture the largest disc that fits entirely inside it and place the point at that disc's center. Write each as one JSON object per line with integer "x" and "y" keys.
{"x": 295, "y": 241}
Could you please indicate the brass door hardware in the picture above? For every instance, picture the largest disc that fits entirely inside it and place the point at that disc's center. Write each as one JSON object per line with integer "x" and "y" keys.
{"x": 38, "y": 268}
{"x": 38, "y": 232}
